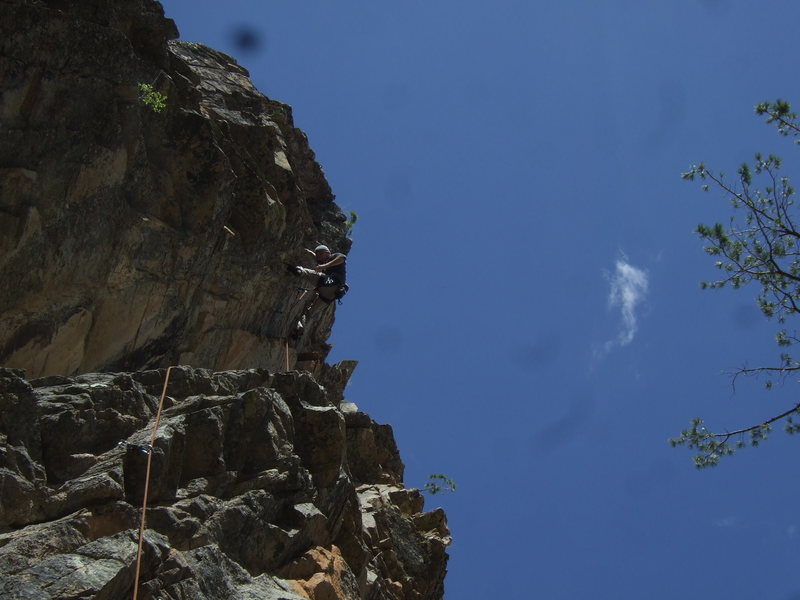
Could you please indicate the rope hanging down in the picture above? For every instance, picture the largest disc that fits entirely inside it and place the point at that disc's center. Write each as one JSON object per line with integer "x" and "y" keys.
{"x": 149, "y": 451}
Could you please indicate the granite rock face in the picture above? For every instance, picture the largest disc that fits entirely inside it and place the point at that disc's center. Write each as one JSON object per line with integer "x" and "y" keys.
{"x": 261, "y": 486}
{"x": 134, "y": 239}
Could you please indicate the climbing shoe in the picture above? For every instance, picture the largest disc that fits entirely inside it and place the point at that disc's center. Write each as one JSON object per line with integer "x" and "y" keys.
{"x": 299, "y": 327}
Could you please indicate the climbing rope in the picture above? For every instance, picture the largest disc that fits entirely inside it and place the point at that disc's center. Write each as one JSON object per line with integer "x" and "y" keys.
{"x": 149, "y": 451}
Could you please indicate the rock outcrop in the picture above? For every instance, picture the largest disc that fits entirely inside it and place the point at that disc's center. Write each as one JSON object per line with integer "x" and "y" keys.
{"x": 133, "y": 239}
{"x": 262, "y": 486}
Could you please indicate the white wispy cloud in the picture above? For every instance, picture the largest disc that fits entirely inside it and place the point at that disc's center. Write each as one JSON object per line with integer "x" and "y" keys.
{"x": 729, "y": 522}
{"x": 629, "y": 287}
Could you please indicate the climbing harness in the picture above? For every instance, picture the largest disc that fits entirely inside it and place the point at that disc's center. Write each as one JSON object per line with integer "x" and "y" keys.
{"x": 340, "y": 293}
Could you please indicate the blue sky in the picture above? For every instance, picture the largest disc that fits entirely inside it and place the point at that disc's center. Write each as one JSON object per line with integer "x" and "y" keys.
{"x": 524, "y": 294}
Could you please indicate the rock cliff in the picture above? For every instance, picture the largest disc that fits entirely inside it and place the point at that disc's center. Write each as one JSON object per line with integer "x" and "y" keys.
{"x": 134, "y": 239}
{"x": 131, "y": 238}
{"x": 262, "y": 486}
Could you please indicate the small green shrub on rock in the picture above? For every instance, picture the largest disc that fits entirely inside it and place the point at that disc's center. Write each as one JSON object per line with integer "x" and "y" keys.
{"x": 155, "y": 101}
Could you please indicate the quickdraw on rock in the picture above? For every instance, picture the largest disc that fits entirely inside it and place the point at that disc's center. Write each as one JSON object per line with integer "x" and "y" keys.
{"x": 146, "y": 449}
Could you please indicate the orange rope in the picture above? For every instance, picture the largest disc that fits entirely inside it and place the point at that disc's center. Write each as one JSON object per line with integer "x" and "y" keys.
{"x": 147, "y": 485}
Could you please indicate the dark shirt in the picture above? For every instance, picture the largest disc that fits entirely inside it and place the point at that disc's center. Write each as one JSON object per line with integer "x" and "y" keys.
{"x": 337, "y": 272}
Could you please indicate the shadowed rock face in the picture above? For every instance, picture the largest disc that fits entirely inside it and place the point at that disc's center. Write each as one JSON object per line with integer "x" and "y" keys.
{"x": 261, "y": 487}
{"x": 131, "y": 239}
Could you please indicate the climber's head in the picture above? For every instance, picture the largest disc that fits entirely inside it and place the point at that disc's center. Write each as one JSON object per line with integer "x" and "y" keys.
{"x": 323, "y": 253}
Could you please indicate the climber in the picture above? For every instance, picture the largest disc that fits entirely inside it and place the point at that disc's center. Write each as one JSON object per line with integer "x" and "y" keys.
{"x": 330, "y": 277}
{"x": 330, "y": 274}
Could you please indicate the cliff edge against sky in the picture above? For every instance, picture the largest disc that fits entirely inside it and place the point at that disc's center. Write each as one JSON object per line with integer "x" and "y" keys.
{"x": 131, "y": 240}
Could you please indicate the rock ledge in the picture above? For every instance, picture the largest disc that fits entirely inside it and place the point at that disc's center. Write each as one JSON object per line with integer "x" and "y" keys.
{"x": 261, "y": 487}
